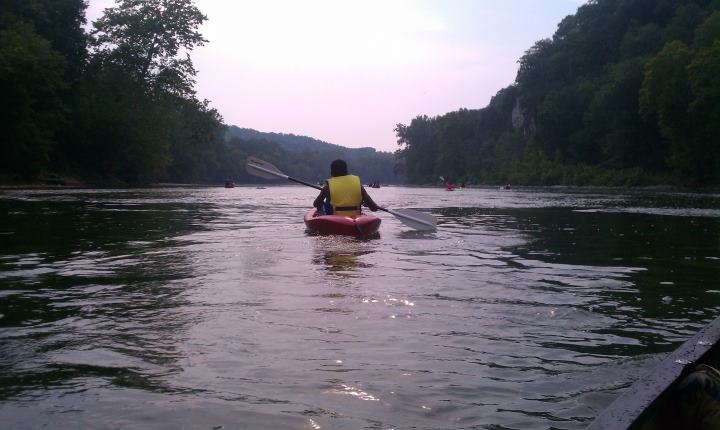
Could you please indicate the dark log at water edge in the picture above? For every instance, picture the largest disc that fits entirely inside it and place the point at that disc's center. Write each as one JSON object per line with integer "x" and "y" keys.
{"x": 653, "y": 403}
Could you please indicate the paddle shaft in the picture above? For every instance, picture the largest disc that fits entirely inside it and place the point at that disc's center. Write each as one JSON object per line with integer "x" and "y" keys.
{"x": 299, "y": 181}
{"x": 281, "y": 175}
{"x": 274, "y": 172}
{"x": 318, "y": 187}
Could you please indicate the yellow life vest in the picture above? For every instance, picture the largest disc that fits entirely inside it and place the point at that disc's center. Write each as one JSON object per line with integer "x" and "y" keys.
{"x": 345, "y": 195}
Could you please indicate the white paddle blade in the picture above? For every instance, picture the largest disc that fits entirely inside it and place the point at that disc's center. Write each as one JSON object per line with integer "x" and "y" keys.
{"x": 415, "y": 219}
{"x": 263, "y": 169}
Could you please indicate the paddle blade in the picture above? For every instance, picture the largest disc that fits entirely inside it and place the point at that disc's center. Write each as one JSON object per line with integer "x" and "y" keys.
{"x": 263, "y": 169}
{"x": 415, "y": 219}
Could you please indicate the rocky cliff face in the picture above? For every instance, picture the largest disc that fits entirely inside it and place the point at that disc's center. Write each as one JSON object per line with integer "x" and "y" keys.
{"x": 522, "y": 119}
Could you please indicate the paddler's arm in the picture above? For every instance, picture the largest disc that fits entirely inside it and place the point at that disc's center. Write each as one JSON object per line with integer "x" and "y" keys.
{"x": 368, "y": 200}
{"x": 320, "y": 200}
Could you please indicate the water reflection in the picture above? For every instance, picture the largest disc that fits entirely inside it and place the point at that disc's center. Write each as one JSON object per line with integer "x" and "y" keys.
{"x": 341, "y": 256}
{"x": 526, "y": 309}
{"x": 626, "y": 267}
{"x": 341, "y": 262}
{"x": 98, "y": 298}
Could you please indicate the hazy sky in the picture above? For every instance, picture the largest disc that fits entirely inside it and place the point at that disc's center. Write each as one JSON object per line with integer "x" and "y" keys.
{"x": 347, "y": 72}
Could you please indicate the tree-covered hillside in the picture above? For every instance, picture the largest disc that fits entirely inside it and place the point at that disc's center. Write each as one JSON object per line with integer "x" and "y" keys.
{"x": 625, "y": 93}
{"x": 308, "y": 158}
{"x": 112, "y": 106}
{"x": 116, "y": 105}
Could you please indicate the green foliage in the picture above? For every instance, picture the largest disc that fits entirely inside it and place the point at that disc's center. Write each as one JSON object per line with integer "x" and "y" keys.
{"x": 57, "y": 21}
{"x": 308, "y": 158}
{"x": 639, "y": 41}
{"x": 703, "y": 151}
{"x": 120, "y": 133}
{"x": 420, "y": 151}
{"x": 681, "y": 94}
{"x": 137, "y": 119}
{"x": 42, "y": 49}
{"x": 666, "y": 92}
{"x": 126, "y": 113}
{"x": 709, "y": 32}
{"x": 537, "y": 169}
{"x": 624, "y": 93}
{"x": 32, "y": 111}
{"x": 195, "y": 139}
{"x": 612, "y": 121}
{"x": 146, "y": 37}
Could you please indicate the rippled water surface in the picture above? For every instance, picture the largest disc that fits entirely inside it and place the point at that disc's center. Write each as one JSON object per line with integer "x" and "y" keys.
{"x": 213, "y": 308}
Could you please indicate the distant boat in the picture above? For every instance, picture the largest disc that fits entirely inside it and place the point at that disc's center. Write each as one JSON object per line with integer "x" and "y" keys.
{"x": 450, "y": 186}
{"x": 229, "y": 184}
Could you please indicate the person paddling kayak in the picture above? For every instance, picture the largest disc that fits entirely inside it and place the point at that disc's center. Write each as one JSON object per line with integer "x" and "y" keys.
{"x": 342, "y": 194}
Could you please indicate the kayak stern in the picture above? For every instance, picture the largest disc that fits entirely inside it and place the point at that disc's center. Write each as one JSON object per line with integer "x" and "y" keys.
{"x": 361, "y": 225}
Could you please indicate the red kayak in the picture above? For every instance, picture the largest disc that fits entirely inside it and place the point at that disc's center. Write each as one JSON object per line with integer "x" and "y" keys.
{"x": 361, "y": 225}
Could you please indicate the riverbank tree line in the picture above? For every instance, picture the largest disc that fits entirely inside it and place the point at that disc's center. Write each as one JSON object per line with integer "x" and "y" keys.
{"x": 626, "y": 92}
{"x": 114, "y": 103}
{"x": 309, "y": 158}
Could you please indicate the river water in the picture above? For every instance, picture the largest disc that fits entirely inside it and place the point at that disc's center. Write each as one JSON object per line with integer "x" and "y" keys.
{"x": 213, "y": 308}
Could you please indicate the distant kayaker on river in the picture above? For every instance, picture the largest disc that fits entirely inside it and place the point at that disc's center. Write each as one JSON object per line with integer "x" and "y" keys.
{"x": 342, "y": 194}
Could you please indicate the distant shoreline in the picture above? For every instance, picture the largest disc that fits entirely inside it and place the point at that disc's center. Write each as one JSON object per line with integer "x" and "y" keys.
{"x": 74, "y": 184}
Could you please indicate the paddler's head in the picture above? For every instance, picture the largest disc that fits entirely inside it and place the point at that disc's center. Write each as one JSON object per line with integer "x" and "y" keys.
{"x": 338, "y": 168}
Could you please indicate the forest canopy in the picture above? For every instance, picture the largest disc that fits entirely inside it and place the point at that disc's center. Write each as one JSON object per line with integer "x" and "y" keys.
{"x": 115, "y": 104}
{"x": 624, "y": 93}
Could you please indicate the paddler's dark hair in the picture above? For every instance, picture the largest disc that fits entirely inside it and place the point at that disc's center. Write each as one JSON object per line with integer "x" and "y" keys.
{"x": 338, "y": 168}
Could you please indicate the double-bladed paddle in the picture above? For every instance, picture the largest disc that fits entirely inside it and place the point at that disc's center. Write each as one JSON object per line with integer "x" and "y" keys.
{"x": 412, "y": 218}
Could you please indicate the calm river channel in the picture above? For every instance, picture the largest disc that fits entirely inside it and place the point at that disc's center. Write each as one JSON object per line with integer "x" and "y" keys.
{"x": 213, "y": 308}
